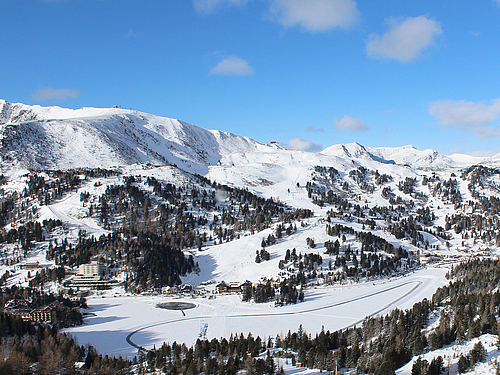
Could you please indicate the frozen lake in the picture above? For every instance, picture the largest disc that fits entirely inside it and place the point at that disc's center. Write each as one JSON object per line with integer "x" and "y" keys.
{"x": 330, "y": 307}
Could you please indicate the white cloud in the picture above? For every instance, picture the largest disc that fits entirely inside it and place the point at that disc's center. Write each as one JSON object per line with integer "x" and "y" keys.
{"x": 48, "y": 93}
{"x": 315, "y": 15}
{"x": 300, "y": 144}
{"x": 405, "y": 40}
{"x": 312, "y": 129}
{"x": 349, "y": 123}
{"x": 486, "y": 132}
{"x": 464, "y": 114}
{"x": 232, "y": 66}
{"x": 473, "y": 117}
{"x": 209, "y": 6}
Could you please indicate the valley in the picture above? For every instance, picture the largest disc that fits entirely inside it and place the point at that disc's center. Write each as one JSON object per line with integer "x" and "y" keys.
{"x": 331, "y": 308}
{"x": 261, "y": 239}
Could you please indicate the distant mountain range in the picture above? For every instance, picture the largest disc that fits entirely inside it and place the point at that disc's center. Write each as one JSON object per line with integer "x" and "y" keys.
{"x": 35, "y": 137}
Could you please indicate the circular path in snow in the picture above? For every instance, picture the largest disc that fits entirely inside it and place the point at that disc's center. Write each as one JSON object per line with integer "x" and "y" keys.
{"x": 416, "y": 284}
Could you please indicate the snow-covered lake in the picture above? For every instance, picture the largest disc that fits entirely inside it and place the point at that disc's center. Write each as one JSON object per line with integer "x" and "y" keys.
{"x": 330, "y": 307}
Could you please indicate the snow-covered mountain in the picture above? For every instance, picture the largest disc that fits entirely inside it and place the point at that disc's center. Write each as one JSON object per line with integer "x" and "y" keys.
{"x": 406, "y": 156}
{"x": 35, "y": 137}
{"x": 399, "y": 205}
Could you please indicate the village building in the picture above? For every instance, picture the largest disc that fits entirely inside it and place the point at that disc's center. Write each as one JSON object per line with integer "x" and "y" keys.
{"x": 92, "y": 276}
{"x": 185, "y": 288}
{"x": 93, "y": 268}
{"x": 223, "y": 287}
{"x": 30, "y": 266}
{"x": 275, "y": 283}
{"x": 44, "y": 315}
{"x": 26, "y": 312}
{"x": 234, "y": 288}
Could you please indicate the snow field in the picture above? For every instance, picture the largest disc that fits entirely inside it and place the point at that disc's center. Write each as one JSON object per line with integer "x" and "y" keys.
{"x": 331, "y": 308}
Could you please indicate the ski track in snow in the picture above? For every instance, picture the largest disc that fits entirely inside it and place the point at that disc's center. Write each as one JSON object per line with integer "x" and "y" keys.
{"x": 137, "y": 319}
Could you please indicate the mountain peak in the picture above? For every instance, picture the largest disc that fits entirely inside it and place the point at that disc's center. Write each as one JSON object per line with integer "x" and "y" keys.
{"x": 35, "y": 137}
{"x": 349, "y": 150}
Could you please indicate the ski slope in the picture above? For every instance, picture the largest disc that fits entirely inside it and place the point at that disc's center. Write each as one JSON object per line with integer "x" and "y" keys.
{"x": 145, "y": 145}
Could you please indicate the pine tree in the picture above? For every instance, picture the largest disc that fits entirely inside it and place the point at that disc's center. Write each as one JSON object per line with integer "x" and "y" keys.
{"x": 419, "y": 367}
{"x": 463, "y": 364}
{"x": 436, "y": 367}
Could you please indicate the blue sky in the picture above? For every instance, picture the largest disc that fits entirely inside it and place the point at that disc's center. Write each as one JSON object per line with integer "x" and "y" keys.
{"x": 307, "y": 73}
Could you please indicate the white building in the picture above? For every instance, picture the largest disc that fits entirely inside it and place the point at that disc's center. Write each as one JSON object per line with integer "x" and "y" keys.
{"x": 90, "y": 276}
{"x": 93, "y": 268}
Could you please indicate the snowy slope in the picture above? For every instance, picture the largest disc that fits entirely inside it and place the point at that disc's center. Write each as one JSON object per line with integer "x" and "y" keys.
{"x": 56, "y": 138}
{"x": 452, "y": 353}
{"x": 406, "y": 155}
{"x": 35, "y": 137}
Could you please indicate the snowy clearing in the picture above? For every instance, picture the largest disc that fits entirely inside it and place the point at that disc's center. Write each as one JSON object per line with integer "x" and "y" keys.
{"x": 330, "y": 307}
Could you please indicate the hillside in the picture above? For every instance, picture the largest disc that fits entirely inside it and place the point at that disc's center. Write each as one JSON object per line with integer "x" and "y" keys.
{"x": 148, "y": 171}
{"x": 59, "y": 138}
{"x": 40, "y": 138}
{"x": 406, "y": 156}
{"x": 167, "y": 207}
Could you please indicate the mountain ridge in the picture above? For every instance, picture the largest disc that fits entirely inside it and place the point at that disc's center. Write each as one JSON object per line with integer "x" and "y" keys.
{"x": 36, "y": 137}
{"x": 91, "y": 137}
{"x": 322, "y": 224}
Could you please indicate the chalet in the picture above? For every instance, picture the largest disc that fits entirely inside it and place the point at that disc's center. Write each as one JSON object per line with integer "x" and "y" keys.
{"x": 275, "y": 283}
{"x": 18, "y": 307}
{"x": 43, "y": 315}
{"x": 169, "y": 290}
{"x": 26, "y": 312}
{"x": 222, "y": 287}
{"x": 30, "y": 266}
{"x": 186, "y": 288}
{"x": 234, "y": 288}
